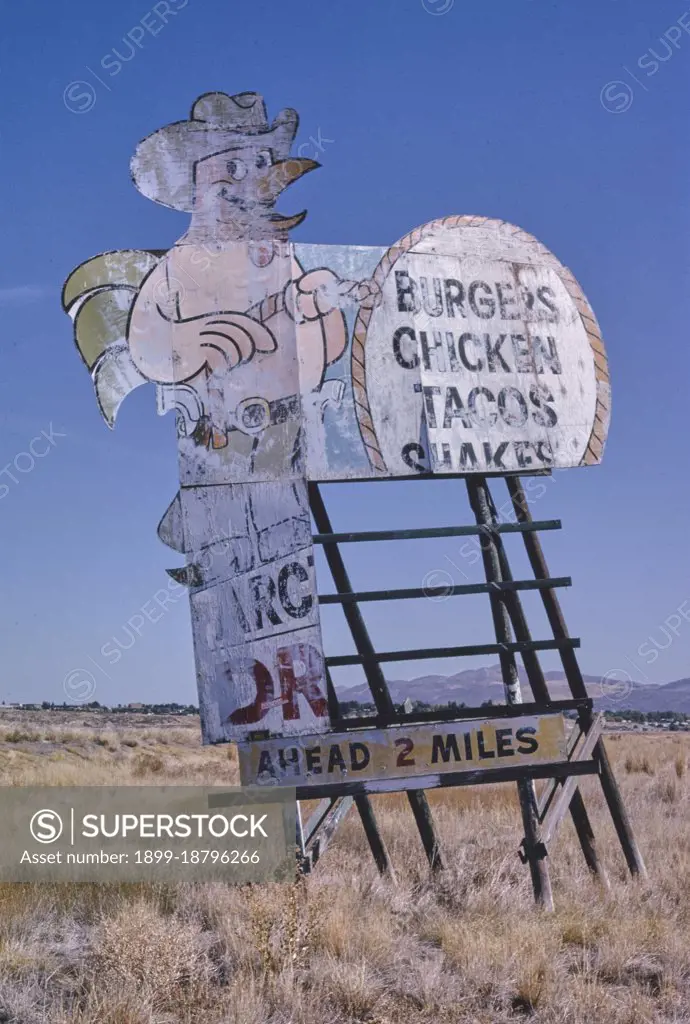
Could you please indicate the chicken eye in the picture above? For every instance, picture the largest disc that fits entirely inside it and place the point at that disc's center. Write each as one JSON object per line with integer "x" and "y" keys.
{"x": 264, "y": 158}
{"x": 236, "y": 169}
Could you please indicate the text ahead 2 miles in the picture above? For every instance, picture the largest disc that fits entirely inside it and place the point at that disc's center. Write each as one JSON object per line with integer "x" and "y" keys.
{"x": 399, "y": 752}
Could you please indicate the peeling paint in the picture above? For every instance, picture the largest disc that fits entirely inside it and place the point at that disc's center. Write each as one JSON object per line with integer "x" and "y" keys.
{"x": 464, "y": 348}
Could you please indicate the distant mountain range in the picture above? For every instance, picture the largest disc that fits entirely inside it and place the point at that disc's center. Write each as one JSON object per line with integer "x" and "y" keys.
{"x": 474, "y": 686}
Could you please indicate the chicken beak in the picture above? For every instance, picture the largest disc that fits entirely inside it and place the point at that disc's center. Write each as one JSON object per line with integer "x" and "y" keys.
{"x": 282, "y": 174}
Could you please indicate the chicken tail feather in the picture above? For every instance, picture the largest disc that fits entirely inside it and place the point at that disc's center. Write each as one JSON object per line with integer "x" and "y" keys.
{"x": 114, "y": 376}
{"x": 99, "y": 295}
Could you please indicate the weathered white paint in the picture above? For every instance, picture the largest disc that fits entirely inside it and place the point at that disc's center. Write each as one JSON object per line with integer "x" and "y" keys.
{"x": 255, "y": 620}
{"x": 274, "y": 684}
{"x": 398, "y": 785}
{"x": 286, "y": 362}
{"x": 402, "y": 751}
{"x": 476, "y": 352}
{"x": 450, "y": 392}
{"x": 250, "y": 524}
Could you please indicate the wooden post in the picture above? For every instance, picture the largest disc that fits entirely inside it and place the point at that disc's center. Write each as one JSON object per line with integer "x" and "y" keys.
{"x": 585, "y": 834}
{"x": 575, "y": 681}
{"x": 535, "y": 852}
{"x": 321, "y": 835}
{"x": 375, "y": 677}
{"x": 565, "y": 795}
{"x": 376, "y": 843}
{"x": 333, "y": 703}
{"x": 363, "y": 803}
{"x": 540, "y": 692}
{"x": 301, "y": 851}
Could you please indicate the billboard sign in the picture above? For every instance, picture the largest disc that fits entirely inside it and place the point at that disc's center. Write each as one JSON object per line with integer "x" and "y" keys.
{"x": 475, "y": 352}
{"x": 464, "y": 348}
{"x": 382, "y": 757}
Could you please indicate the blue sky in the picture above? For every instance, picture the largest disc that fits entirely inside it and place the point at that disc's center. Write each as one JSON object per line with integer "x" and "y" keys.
{"x": 569, "y": 120}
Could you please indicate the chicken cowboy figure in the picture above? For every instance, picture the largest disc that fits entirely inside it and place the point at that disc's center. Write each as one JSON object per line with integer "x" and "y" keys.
{"x": 236, "y": 338}
{"x": 466, "y": 347}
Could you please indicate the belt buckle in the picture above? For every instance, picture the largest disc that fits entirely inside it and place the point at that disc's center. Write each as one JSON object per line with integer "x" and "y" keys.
{"x": 253, "y": 415}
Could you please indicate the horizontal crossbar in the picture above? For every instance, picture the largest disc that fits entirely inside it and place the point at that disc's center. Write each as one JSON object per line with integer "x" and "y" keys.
{"x": 454, "y": 714}
{"x": 436, "y": 531}
{"x": 478, "y": 777}
{"x": 424, "y": 653}
{"x": 409, "y": 477}
{"x": 461, "y": 588}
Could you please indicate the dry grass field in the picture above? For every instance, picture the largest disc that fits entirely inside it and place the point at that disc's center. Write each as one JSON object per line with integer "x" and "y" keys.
{"x": 345, "y": 946}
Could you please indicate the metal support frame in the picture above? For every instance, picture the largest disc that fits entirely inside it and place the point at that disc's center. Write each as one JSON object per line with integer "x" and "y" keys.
{"x": 321, "y": 828}
{"x": 586, "y": 754}
{"x": 540, "y": 692}
{"x": 535, "y": 850}
{"x": 378, "y": 686}
{"x": 575, "y": 681}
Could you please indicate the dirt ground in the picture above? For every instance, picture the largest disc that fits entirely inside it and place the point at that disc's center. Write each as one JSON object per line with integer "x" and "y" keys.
{"x": 344, "y": 945}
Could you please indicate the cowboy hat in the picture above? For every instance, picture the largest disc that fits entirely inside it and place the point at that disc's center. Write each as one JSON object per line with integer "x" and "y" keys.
{"x": 163, "y": 163}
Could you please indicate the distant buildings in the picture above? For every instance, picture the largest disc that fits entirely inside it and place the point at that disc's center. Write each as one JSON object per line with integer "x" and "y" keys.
{"x": 135, "y": 706}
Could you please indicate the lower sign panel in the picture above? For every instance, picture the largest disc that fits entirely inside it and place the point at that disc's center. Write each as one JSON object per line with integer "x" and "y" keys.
{"x": 401, "y": 752}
